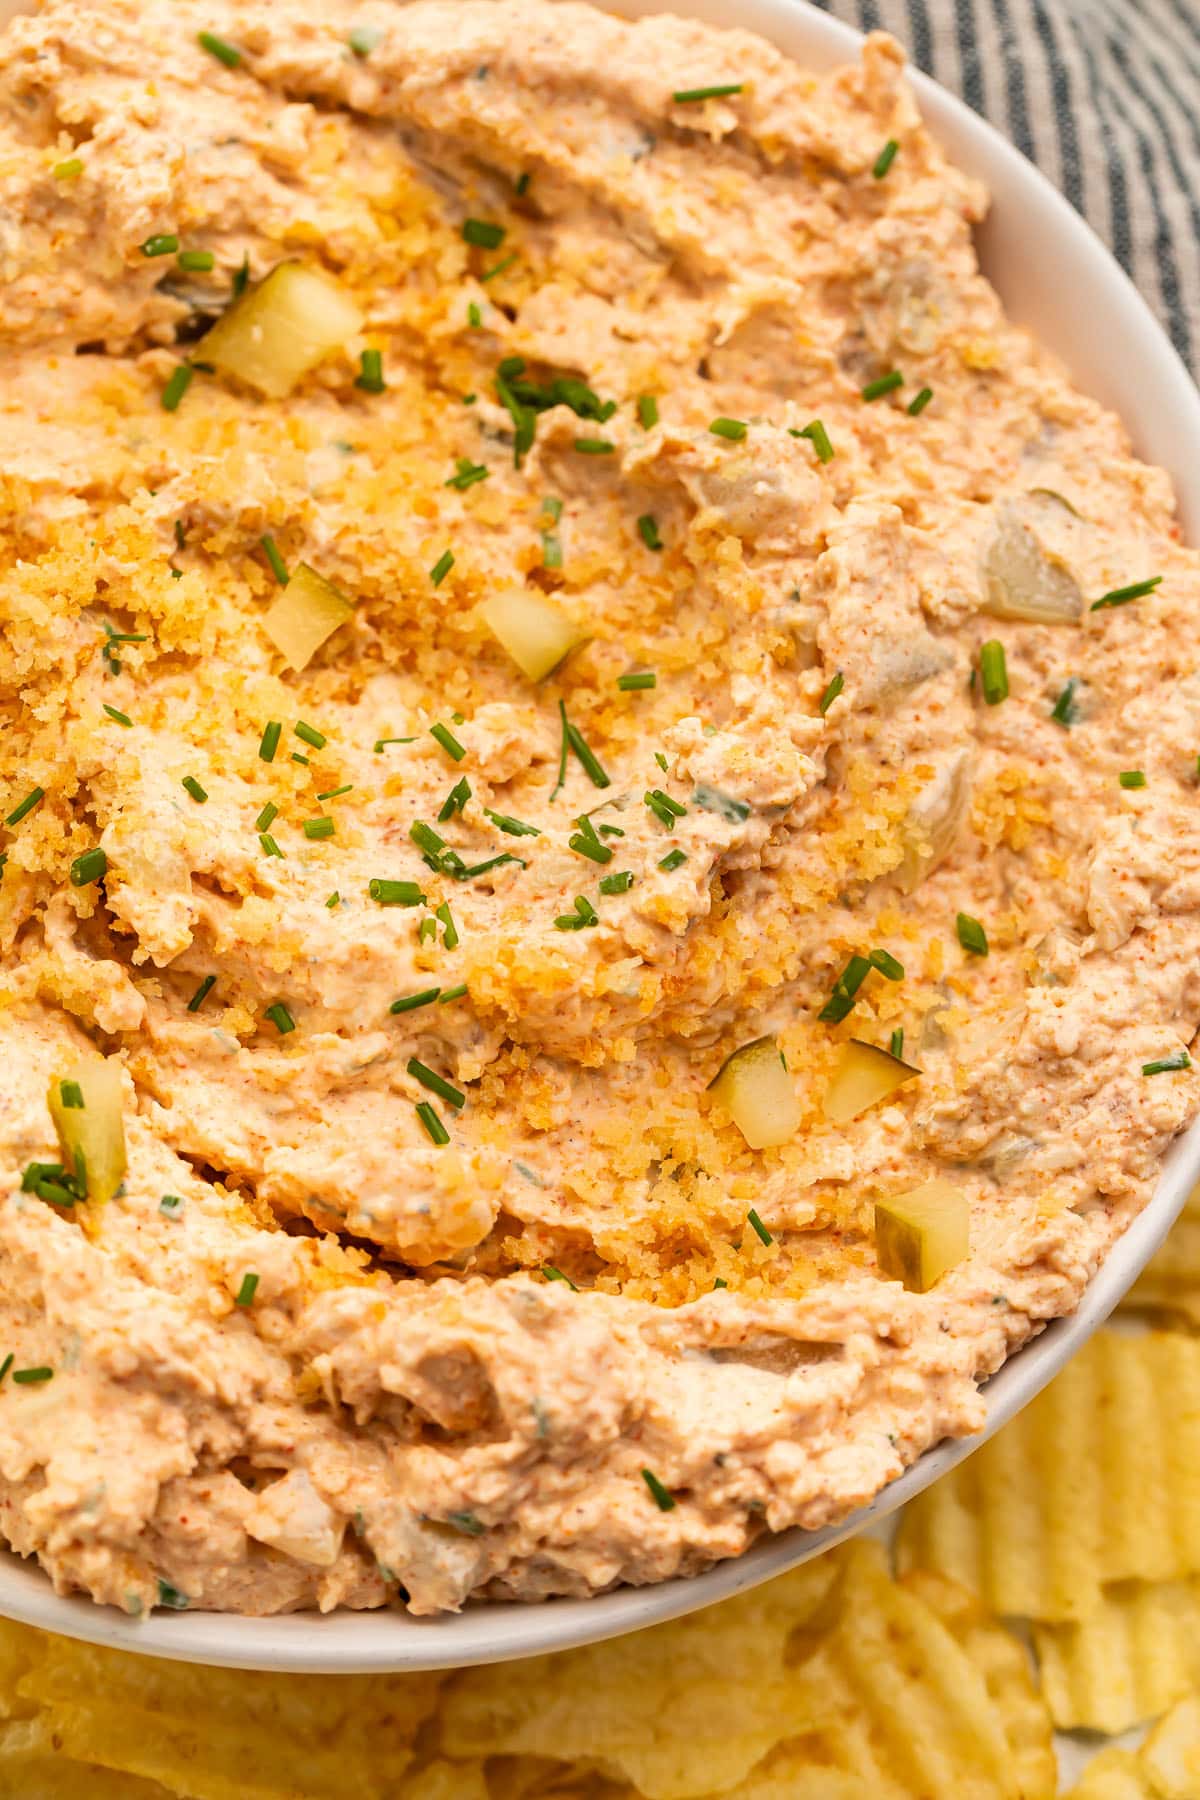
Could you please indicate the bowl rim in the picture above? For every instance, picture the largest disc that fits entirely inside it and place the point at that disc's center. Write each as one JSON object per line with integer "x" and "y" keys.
{"x": 1031, "y": 220}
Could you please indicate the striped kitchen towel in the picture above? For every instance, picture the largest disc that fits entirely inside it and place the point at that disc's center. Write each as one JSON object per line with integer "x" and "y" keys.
{"x": 1104, "y": 95}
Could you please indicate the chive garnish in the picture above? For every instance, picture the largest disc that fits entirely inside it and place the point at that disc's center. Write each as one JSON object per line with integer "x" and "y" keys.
{"x": 171, "y": 1597}
{"x": 663, "y": 1498}
{"x": 674, "y": 859}
{"x": 71, "y": 1095}
{"x": 665, "y": 810}
{"x": 28, "y": 1376}
{"x": 241, "y": 276}
{"x": 396, "y": 893}
{"x": 474, "y": 316}
{"x": 620, "y": 883}
{"x": 433, "y": 1125}
{"x": 269, "y": 846}
{"x": 921, "y": 401}
{"x": 91, "y": 866}
{"x": 483, "y": 234}
{"x": 1063, "y": 712}
{"x": 426, "y": 839}
{"x": 689, "y": 96}
{"x": 177, "y": 386}
{"x": 199, "y": 795}
{"x": 33, "y": 798}
{"x": 552, "y": 508}
{"x": 1167, "y": 1065}
{"x": 647, "y": 411}
{"x": 410, "y": 1002}
{"x": 336, "y": 793}
{"x": 661, "y": 760}
{"x": 437, "y": 1084}
{"x": 993, "y": 671}
{"x": 296, "y": 757}
{"x": 442, "y": 568}
{"x": 514, "y": 827}
{"x": 450, "y": 934}
{"x": 161, "y": 243}
{"x": 67, "y": 170}
{"x": 553, "y": 1274}
{"x": 318, "y": 828}
{"x": 594, "y": 446}
{"x": 886, "y": 384}
{"x": 759, "y": 1228}
{"x": 335, "y": 899}
{"x": 1137, "y": 590}
{"x": 308, "y": 734}
{"x": 971, "y": 934}
{"x": 886, "y": 963}
{"x": 585, "y": 842}
{"x": 468, "y": 473}
{"x": 171, "y": 1206}
{"x": 818, "y": 437}
{"x": 452, "y": 993}
{"x": 552, "y": 551}
{"x": 266, "y": 817}
{"x": 499, "y": 268}
{"x": 364, "y": 38}
{"x": 196, "y": 262}
{"x": 896, "y": 1042}
{"x": 216, "y": 46}
{"x": 247, "y": 1291}
{"x": 381, "y": 744}
{"x": 831, "y": 693}
{"x": 845, "y": 990}
{"x": 584, "y": 914}
{"x": 270, "y": 740}
{"x": 733, "y": 429}
{"x": 370, "y": 372}
{"x": 455, "y": 800}
{"x": 648, "y": 531}
{"x": 281, "y": 1018}
{"x": 885, "y": 159}
{"x": 443, "y": 735}
{"x": 201, "y": 994}
{"x": 637, "y": 680}
{"x": 1132, "y": 778}
{"x": 585, "y": 755}
{"x": 115, "y": 713}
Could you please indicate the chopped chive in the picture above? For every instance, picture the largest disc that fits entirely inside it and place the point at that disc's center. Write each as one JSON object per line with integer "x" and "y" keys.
{"x": 265, "y": 818}
{"x": 364, "y": 38}
{"x": 584, "y": 914}
{"x": 845, "y": 990}
{"x": 474, "y": 316}
{"x": 161, "y": 243}
{"x": 647, "y": 411}
{"x": 565, "y": 745}
{"x": 455, "y": 800}
{"x": 171, "y": 1597}
{"x": 194, "y": 789}
{"x": 28, "y": 1376}
{"x": 885, "y": 159}
{"x": 1137, "y": 590}
{"x": 514, "y": 827}
{"x": 396, "y": 893}
{"x": 552, "y": 508}
{"x": 269, "y": 846}
{"x": 177, "y": 386}
{"x": 315, "y": 829}
{"x": 6, "y": 1365}
{"x": 688, "y": 96}
{"x": 370, "y": 372}
{"x": 437, "y": 1084}
{"x": 733, "y": 429}
{"x": 993, "y": 671}
{"x": 247, "y": 1291}
{"x": 67, "y": 170}
{"x": 224, "y": 52}
{"x": 586, "y": 756}
{"x": 114, "y": 713}
{"x": 896, "y": 1042}
{"x": 521, "y": 184}
{"x": 665, "y": 810}
{"x": 759, "y": 1228}
{"x": 336, "y": 793}
{"x": 594, "y": 446}
{"x": 308, "y": 734}
{"x": 648, "y": 532}
{"x": 278, "y": 567}
{"x": 663, "y": 1498}
{"x": 661, "y": 760}
{"x": 637, "y": 680}
{"x": 1167, "y": 1065}
{"x": 410, "y": 1002}
{"x": 468, "y": 473}
{"x": 442, "y": 568}
{"x": 335, "y": 899}
{"x": 281, "y": 1018}
{"x": 197, "y": 262}
{"x": 450, "y": 934}
{"x": 452, "y": 993}
{"x": 620, "y": 883}
{"x": 886, "y": 963}
{"x": 71, "y": 1095}
{"x": 22, "y": 810}
{"x": 426, "y": 838}
{"x": 91, "y": 866}
{"x": 831, "y": 693}
{"x": 201, "y": 994}
{"x": 483, "y": 234}
{"x": 674, "y": 859}
{"x": 270, "y": 740}
{"x": 585, "y": 842}
{"x": 433, "y": 1125}
{"x": 553, "y": 1274}
{"x": 381, "y": 744}
{"x": 241, "y": 276}
{"x": 1132, "y": 778}
{"x": 886, "y": 384}
{"x": 171, "y": 1206}
{"x": 443, "y": 735}
{"x": 818, "y": 437}
{"x": 552, "y": 551}
{"x": 499, "y": 268}
{"x": 1063, "y": 712}
{"x": 919, "y": 403}
{"x": 971, "y": 934}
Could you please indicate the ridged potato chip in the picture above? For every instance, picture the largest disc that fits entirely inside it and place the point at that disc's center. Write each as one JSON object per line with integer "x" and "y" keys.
{"x": 1129, "y": 1660}
{"x": 33, "y": 1767}
{"x": 1170, "y": 1282}
{"x": 1171, "y": 1754}
{"x": 1115, "y": 1775}
{"x": 1098, "y": 1480}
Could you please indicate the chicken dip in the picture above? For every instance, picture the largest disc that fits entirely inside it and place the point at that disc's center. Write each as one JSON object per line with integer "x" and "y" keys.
{"x": 601, "y": 890}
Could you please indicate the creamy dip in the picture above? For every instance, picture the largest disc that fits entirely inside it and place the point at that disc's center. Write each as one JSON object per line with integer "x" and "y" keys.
{"x": 486, "y": 1293}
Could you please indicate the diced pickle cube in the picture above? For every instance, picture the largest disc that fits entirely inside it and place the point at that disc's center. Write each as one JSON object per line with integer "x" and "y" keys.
{"x": 754, "y": 1087}
{"x": 280, "y": 329}
{"x": 532, "y": 629}
{"x": 92, "y": 1135}
{"x": 864, "y": 1075}
{"x": 304, "y": 614}
{"x": 921, "y": 1234}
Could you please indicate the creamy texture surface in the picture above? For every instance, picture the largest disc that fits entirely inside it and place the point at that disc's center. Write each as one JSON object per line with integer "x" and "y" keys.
{"x": 459, "y": 1359}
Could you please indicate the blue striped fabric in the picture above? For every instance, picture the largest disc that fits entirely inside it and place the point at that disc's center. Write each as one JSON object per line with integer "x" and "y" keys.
{"x": 1104, "y": 95}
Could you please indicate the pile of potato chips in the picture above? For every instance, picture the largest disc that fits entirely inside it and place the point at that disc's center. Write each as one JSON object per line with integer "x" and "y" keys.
{"x": 1052, "y": 1581}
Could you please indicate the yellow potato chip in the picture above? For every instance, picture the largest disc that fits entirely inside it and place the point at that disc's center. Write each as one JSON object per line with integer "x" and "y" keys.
{"x": 32, "y": 1767}
{"x": 1171, "y": 1754}
{"x": 681, "y": 1710}
{"x": 1171, "y": 1280}
{"x": 442, "y": 1781}
{"x": 1098, "y": 1480}
{"x": 1008, "y": 1674}
{"x": 1115, "y": 1775}
{"x": 1129, "y": 1660}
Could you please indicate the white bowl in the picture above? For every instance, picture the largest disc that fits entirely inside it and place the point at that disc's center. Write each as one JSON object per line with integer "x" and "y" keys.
{"x": 1056, "y": 278}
